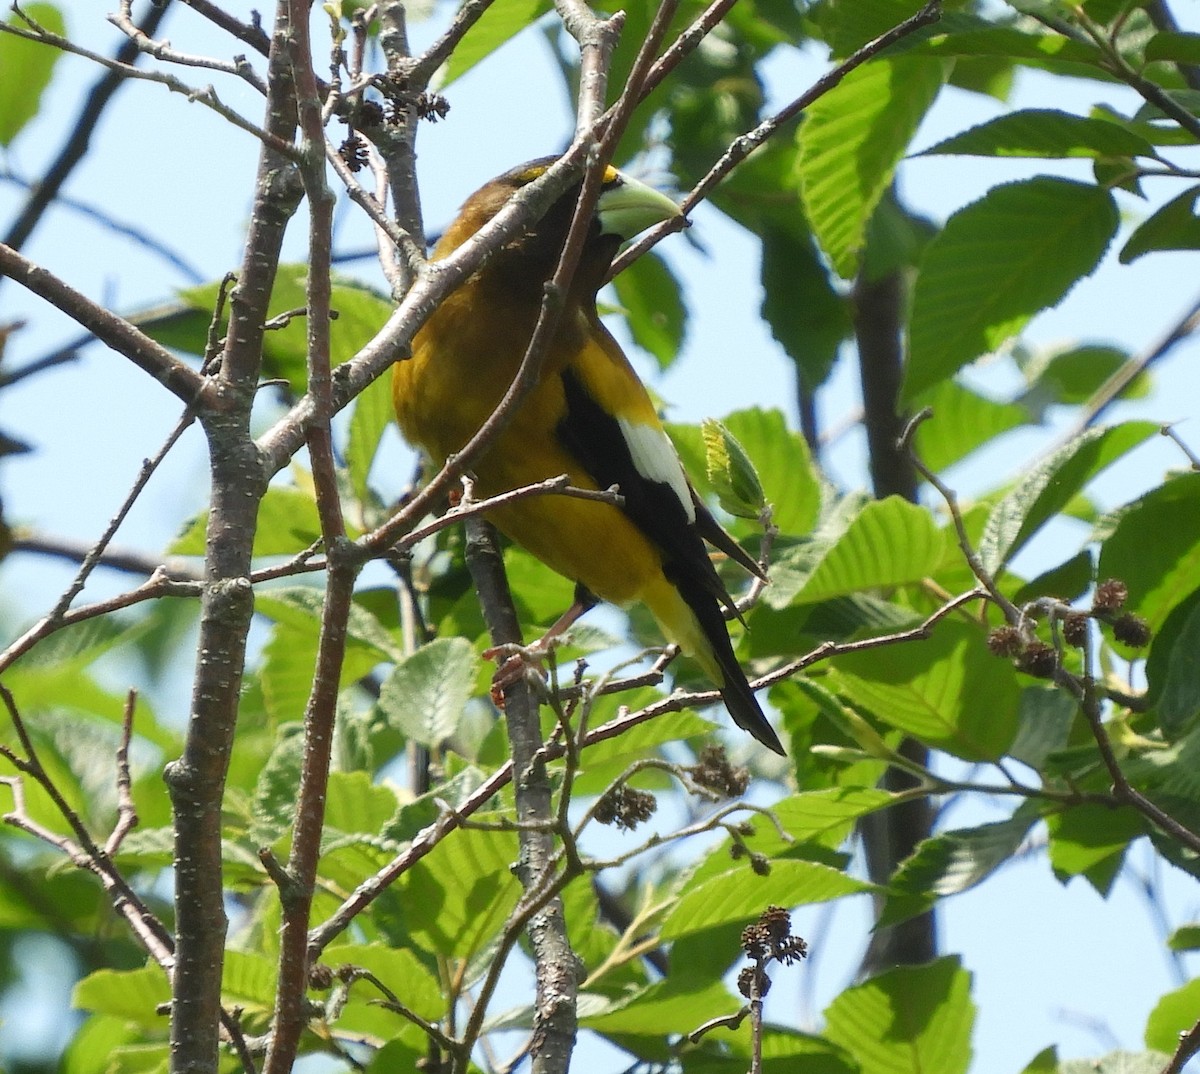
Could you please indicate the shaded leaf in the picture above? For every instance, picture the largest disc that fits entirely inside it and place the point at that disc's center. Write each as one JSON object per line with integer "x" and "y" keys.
{"x": 1047, "y": 488}
{"x": 852, "y": 139}
{"x": 962, "y": 421}
{"x": 1045, "y": 132}
{"x": 910, "y": 1020}
{"x": 948, "y": 691}
{"x": 1091, "y": 840}
{"x": 650, "y": 295}
{"x": 1175, "y": 226}
{"x": 424, "y": 696}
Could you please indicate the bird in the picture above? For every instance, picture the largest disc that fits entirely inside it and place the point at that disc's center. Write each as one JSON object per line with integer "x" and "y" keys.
{"x": 588, "y": 416}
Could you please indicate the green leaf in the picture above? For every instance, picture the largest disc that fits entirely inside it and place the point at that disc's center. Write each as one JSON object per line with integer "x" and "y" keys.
{"x": 910, "y": 1020}
{"x": 371, "y": 417}
{"x": 1163, "y": 520}
{"x": 781, "y": 459}
{"x": 807, "y": 317}
{"x": 784, "y": 1051}
{"x": 360, "y": 313}
{"x": 287, "y": 523}
{"x": 962, "y": 421}
{"x": 274, "y": 804}
{"x": 1046, "y": 717}
{"x": 1185, "y": 938}
{"x": 740, "y": 895}
{"x": 847, "y": 28}
{"x": 455, "y": 901}
{"x": 1045, "y": 132}
{"x": 1045, "y": 1062}
{"x": 1073, "y": 376}
{"x": 249, "y": 981}
{"x": 1118, "y": 1063}
{"x": 998, "y": 261}
{"x": 424, "y": 696}
{"x": 730, "y": 471}
{"x": 133, "y": 995}
{"x": 888, "y": 543}
{"x": 1173, "y": 1015}
{"x": 1179, "y": 702}
{"x": 25, "y": 68}
{"x": 1175, "y": 226}
{"x": 1091, "y": 840}
{"x": 948, "y": 691}
{"x": 952, "y": 862}
{"x": 664, "y": 1008}
{"x": 398, "y": 969}
{"x": 649, "y": 293}
{"x": 356, "y": 805}
{"x": 1046, "y": 489}
{"x": 1173, "y": 47}
{"x": 498, "y": 25}
{"x": 852, "y": 139}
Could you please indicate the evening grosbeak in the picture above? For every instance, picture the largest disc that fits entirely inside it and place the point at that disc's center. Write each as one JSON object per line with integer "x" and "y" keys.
{"x": 588, "y": 417}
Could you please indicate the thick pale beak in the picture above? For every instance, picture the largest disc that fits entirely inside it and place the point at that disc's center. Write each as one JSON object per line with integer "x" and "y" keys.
{"x": 627, "y": 207}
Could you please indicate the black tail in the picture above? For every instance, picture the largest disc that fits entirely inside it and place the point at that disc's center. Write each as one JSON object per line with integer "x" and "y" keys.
{"x": 735, "y": 690}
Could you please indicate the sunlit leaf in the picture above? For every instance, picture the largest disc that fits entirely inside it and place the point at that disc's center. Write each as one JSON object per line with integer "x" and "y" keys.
{"x": 1016, "y": 251}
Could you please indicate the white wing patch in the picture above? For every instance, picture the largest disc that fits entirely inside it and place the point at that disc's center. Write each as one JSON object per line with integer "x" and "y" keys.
{"x": 654, "y": 456}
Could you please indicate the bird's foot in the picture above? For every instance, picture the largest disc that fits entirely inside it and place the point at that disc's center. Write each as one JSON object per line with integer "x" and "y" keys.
{"x": 516, "y": 662}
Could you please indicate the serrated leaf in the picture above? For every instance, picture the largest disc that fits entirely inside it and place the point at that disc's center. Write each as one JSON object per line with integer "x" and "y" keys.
{"x": 741, "y": 895}
{"x": 458, "y": 899}
{"x": 1173, "y": 1015}
{"x": 952, "y": 862}
{"x": 1072, "y": 376}
{"x": 424, "y": 696}
{"x": 398, "y": 969}
{"x": 133, "y": 995}
{"x": 1046, "y": 718}
{"x": 1118, "y": 1063}
{"x": 1163, "y": 520}
{"x": 852, "y": 139}
{"x": 807, "y": 317}
{"x": 248, "y": 980}
{"x": 287, "y": 523}
{"x": 1173, "y": 47}
{"x": 1044, "y": 132}
{"x": 358, "y": 806}
{"x": 730, "y": 471}
{"x": 909, "y": 1020}
{"x": 1091, "y": 840}
{"x": 997, "y": 262}
{"x": 962, "y": 421}
{"x": 1046, "y": 489}
{"x": 274, "y": 803}
{"x": 372, "y": 415}
{"x": 948, "y": 691}
{"x": 499, "y": 23}
{"x": 1176, "y": 226}
{"x": 781, "y": 459}
{"x": 888, "y": 543}
{"x": 1179, "y": 702}
{"x": 25, "y": 68}
{"x": 650, "y": 295}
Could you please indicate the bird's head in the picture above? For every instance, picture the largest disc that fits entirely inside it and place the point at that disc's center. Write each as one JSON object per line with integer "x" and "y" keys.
{"x": 625, "y": 208}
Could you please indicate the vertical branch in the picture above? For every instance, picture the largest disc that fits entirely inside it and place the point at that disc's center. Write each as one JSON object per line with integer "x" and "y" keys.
{"x": 197, "y": 780}
{"x": 554, "y": 1015}
{"x": 892, "y": 835}
{"x": 298, "y": 881}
